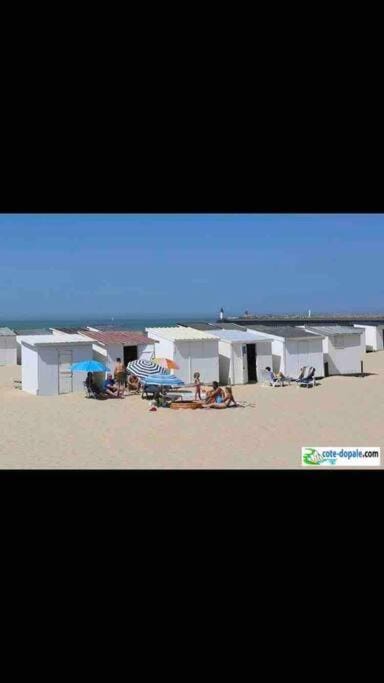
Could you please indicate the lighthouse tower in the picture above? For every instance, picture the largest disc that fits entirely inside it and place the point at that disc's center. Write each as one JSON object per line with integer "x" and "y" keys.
{"x": 221, "y": 313}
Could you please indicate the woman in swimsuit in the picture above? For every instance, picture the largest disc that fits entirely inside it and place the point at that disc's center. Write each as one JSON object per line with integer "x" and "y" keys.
{"x": 216, "y": 395}
{"x": 226, "y": 403}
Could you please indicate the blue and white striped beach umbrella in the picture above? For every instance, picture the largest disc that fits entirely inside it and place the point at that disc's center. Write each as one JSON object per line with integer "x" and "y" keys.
{"x": 145, "y": 368}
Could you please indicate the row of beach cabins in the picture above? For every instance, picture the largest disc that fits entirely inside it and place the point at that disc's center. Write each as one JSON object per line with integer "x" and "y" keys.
{"x": 227, "y": 352}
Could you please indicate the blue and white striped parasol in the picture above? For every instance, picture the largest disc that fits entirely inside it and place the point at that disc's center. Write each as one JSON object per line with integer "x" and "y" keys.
{"x": 145, "y": 368}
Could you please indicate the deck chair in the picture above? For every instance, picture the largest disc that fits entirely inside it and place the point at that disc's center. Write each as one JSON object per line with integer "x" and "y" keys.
{"x": 308, "y": 378}
{"x": 150, "y": 391}
{"x": 94, "y": 392}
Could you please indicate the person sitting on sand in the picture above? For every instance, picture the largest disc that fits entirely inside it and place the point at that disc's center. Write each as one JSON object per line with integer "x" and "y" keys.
{"x": 133, "y": 383}
{"x": 216, "y": 395}
{"x": 111, "y": 388}
{"x": 228, "y": 400}
{"x": 197, "y": 383}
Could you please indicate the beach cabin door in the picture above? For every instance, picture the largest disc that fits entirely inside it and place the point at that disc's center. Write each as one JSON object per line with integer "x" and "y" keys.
{"x": 130, "y": 353}
{"x": 245, "y": 364}
{"x": 65, "y": 373}
{"x": 251, "y": 362}
{"x": 303, "y": 355}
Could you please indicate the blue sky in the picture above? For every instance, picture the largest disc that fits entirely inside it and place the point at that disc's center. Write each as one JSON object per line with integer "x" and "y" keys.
{"x": 68, "y": 265}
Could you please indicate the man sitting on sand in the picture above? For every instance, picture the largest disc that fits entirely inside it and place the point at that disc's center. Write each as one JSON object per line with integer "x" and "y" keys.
{"x": 227, "y": 401}
{"x": 111, "y": 388}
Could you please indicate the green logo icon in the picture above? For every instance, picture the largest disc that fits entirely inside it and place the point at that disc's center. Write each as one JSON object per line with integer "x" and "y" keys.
{"x": 313, "y": 457}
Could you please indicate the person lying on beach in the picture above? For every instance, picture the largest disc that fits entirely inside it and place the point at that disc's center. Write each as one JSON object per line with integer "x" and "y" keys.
{"x": 111, "y": 388}
{"x": 228, "y": 400}
{"x": 216, "y": 395}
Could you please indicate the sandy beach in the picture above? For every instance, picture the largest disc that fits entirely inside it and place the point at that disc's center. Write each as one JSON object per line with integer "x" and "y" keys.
{"x": 73, "y": 432}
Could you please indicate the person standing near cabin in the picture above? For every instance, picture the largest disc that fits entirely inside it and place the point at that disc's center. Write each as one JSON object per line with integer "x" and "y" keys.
{"x": 120, "y": 373}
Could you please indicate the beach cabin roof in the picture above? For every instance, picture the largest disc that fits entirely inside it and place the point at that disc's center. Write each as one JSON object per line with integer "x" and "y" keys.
{"x": 181, "y": 333}
{"x": 54, "y": 339}
{"x": 6, "y": 332}
{"x": 28, "y": 333}
{"x": 203, "y": 326}
{"x": 126, "y": 337}
{"x": 232, "y": 326}
{"x": 334, "y": 329}
{"x": 235, "y": 336}
{"x": 68, "y": 330}
{"x": 284, "y": 332}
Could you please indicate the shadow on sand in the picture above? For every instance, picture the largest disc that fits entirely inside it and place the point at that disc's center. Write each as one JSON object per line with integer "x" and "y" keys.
{"x": 353, "y": 375}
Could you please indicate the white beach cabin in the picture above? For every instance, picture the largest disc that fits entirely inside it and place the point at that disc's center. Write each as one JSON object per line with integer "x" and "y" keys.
{"x": 46, "y": 363}
{"x": 293, "y": 348}
{"x": 193, "y": 350}
{"x": 125, "y": 344}
{"x": 8, "y": 347}
{"x": 374, "y": 336}
{"x": 111, "y": 344}
{"x": 343, "y": 348}
{"x": 20, "y": 334}
{"x": 242, "y": 357}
